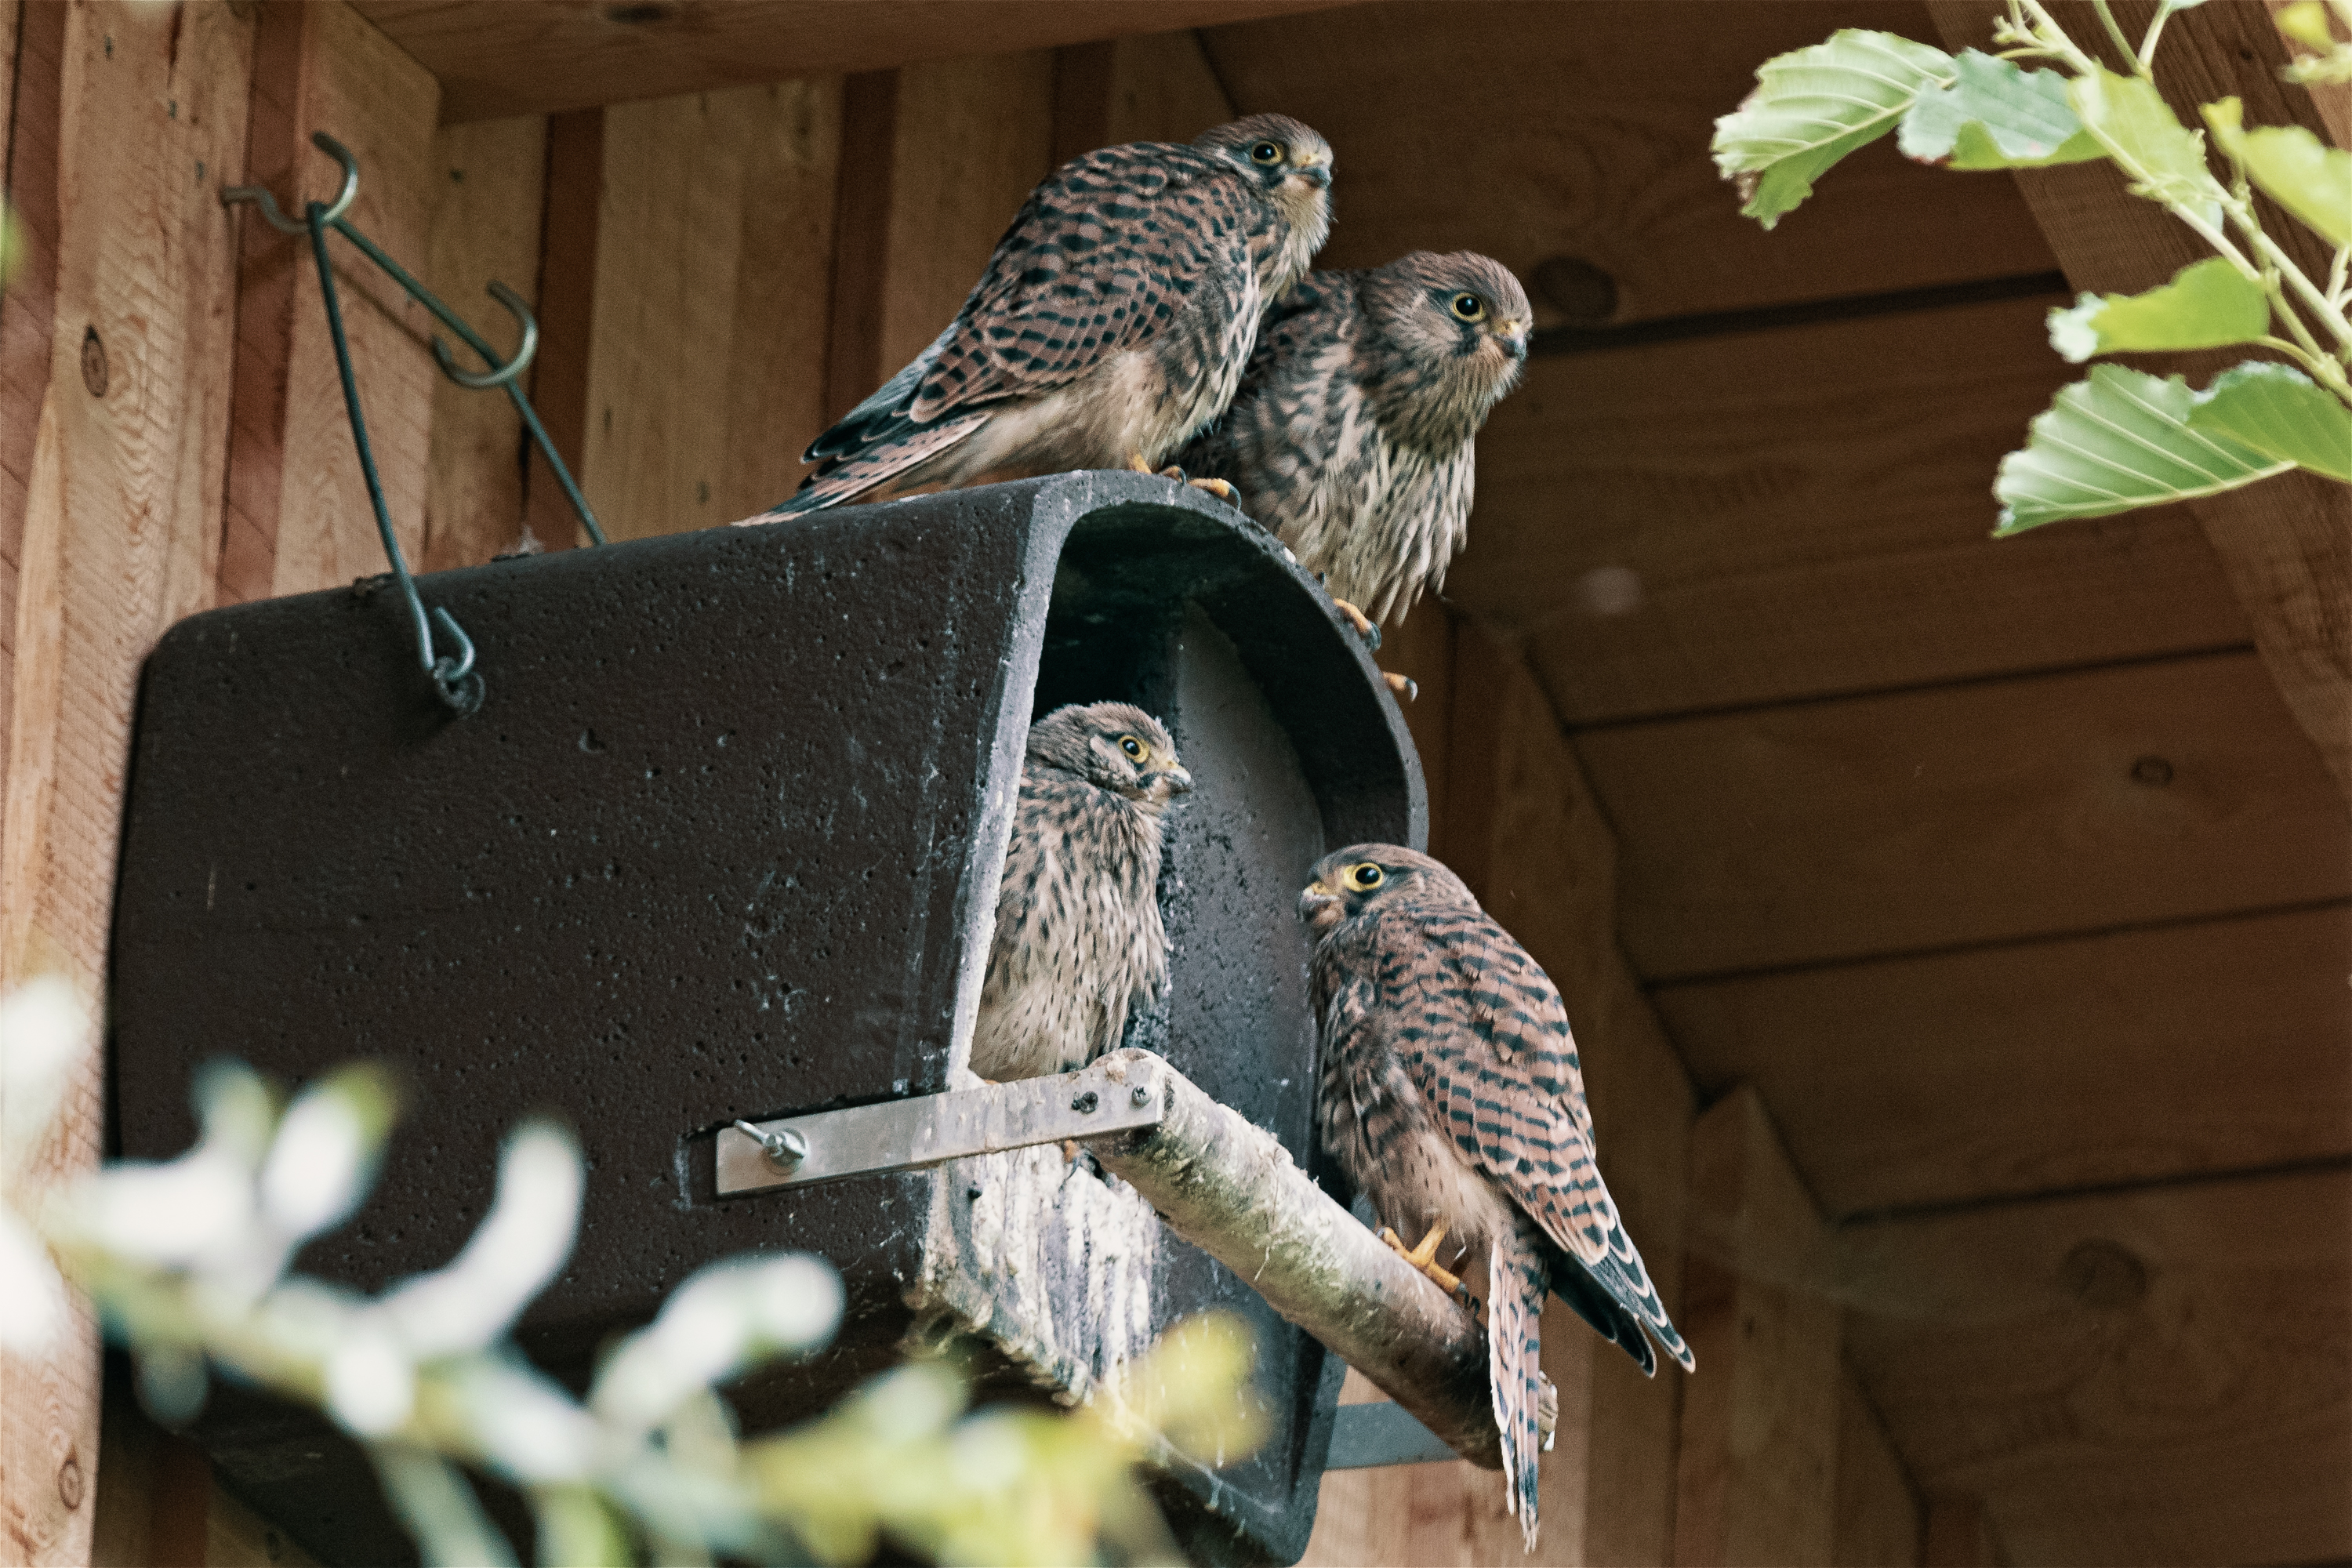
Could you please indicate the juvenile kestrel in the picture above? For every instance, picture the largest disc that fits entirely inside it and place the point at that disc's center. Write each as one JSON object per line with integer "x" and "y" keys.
{"x": 1449, "y": 1093}
{"x": 1078, "y": 936}
{"x": 1112, "y": 322}
{"x": 1351, "y": 435}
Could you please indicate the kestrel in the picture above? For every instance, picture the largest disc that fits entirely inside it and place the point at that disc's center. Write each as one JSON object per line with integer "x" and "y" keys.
{"x": 1449, "y": 1093}
{"x": 1112, "y": 322}
{"x": 1079, "y": 937}
{"x": 1352, "y": 437}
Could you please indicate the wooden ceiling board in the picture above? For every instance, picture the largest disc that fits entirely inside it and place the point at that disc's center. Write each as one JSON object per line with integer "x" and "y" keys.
{"x": 536, "y": 56}
{"x": 2212, "y": 1046}
{"x": 1807, "y": 512}
{"x": 1963, "y": 814}
{"x": 1534, "y": 130}
{"x": 2156, "y": 1378}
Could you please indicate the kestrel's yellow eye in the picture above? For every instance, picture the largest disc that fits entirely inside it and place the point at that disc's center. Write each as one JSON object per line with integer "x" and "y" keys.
{"x": 1268, "y": 152}
{"x": 1133, "y": 747}
{"x": 1469, "y": 307}
{"x": 1365, "y": 876}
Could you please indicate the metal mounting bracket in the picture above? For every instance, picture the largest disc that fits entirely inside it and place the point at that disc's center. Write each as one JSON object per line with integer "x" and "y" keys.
{"x": 1112, "y": 1096}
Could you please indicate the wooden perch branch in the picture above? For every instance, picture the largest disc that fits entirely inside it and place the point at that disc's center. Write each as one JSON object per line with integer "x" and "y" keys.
{"x": 1229, "y": 1188}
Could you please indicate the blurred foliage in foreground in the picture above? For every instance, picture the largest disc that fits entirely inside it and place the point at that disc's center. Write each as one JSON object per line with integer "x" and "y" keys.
{"x": 187, "y": 1260}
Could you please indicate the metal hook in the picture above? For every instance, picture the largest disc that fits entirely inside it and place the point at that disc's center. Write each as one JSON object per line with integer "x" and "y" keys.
{"x": 498, "y": 374}
{"x": 453, "y": 676}
{"x": 260, "y": 197}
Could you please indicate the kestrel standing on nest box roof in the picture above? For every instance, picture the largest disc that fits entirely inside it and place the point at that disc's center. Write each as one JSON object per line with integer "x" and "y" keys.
{"x": 1352, "y": 437}
{"x": 1079, "y": 937}
{"x": 1112, "y": 322}
{"x": 1452, "y": 1097}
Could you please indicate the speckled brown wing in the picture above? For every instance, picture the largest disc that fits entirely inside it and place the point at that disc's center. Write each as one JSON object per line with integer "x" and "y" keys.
{"x": 1479, "y": 1029}
{"x": 1117, "y": 247}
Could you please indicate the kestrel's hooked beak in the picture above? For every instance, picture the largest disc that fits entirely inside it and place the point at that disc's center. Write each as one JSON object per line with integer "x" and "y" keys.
{"x": 1513, "y": 335}
{"x": 1316, "y": 174}
{"x": 1319, "y": 907}
{"x": 1180, "y": 780}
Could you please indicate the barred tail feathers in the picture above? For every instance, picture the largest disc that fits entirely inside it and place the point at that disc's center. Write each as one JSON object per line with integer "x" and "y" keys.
{"x": 1515, "y": 1296}
{"x": 893, "y": 460}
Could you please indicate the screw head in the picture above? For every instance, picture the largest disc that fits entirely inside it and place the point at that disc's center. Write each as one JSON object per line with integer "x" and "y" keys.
{"x": 1141, "y": 1095}
{"x": 1085, "y": 1103}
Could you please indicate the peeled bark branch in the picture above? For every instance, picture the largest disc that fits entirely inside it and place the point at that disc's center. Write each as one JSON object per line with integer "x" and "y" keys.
{"x": 1229, "y": 1188}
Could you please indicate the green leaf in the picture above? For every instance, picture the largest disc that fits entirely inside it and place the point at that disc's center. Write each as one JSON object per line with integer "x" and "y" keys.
{"x": 1813, "y": 107}
{"x": 2163, "y": 158}
{"x": 2293, "y": 167}
{"x": 1995, "y": 115}
{"x": 2209, "y": 305}
{"x": 2279, "y": 412}
{"x": 2119, "y": 441}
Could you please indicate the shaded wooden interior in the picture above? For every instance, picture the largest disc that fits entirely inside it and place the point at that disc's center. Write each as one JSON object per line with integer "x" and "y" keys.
{"x": 1958, "y": 933}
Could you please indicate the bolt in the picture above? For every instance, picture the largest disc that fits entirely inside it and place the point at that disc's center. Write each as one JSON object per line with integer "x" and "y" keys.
{"x": 1085, "y": 1103}
{"x": 785, "y": 1148}
{"x": 1141, "y": 1094}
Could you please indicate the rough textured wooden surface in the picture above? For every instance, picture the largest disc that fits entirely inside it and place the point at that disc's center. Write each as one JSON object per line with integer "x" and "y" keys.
{"x": 298, "y": 508}
{"x": 1774, "y": 515}
{"x": 1879, "y": 1519}
{"x": 35, "y": 37}
{"x": 533, "y": 56}
{"x": 1758, "y": 1468}
{"x": 489, "y": 181}
{"x": 1963, "y": 814}
{"x": 122, "y": 529}
{"x": 974, "y": 138}
{"x": 2045, "y": 1065}
{"x": 2286, "y": 543}
{"x": 569, "y": 231}
{"x": 2158, "y": 1376}
{"x": 1534, "y": 130}
{"x": 714, "y": 234}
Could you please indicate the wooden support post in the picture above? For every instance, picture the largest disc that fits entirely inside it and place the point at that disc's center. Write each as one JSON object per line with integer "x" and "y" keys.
{"x": 298, "y": 517}
{"x": 33, "y": 38}
{"x": 567, "y": 317}
{"x": 122, "y": 529}
{"x": 861, "y": 254}
{"x": 489, "y": 180}
{"x": 1758, "y": 1462}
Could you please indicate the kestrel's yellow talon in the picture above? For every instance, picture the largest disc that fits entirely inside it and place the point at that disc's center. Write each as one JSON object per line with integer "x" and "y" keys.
{"x": 1424, "y": 1258}
{"x": 1360, "y": 621}
{"x": 1217, "y": 487}
{"x": 1136, "y": 463}
{"x": 1405, "y": 686}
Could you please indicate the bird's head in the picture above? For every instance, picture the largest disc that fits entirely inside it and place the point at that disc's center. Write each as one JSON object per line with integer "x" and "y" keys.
{"x": 1289, "y": 163}
{"x": 1460, "y": 320}
{"x": 1364, "y": 878}
{"x": 1114, "y": 746}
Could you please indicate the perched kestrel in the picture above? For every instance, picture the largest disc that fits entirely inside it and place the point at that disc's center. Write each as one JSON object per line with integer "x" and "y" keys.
{"x": 1449, "y": 1093}
{"x": 1351, "y": 435}
{"x": 1077, "y": 921}
{"x": 1112, "y": 322}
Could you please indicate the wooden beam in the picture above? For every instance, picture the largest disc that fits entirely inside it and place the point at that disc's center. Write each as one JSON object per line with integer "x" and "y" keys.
{"x": 298, "y": 516}
{"x": 1758, "y": 1466}
{"x": 1778, "y": 515}
{"x": 568, "y": 268}
{"x": 1532, "y": 132}
{"x": 122, "y": 526}
{"x": 1965, "y": 814}
{"x": 35, "y": 39}
{"x": 2201, "y": 1048}
{"x": 1879, "y": 1519}
{"x": 2158, "y": 1376}
{"x": 2285, "y": 544}
{"x": 534, "y": 56}
{"x": 713, "y": 249}
{"x": 489, "y": 178}
{"x": 861, "y": 226}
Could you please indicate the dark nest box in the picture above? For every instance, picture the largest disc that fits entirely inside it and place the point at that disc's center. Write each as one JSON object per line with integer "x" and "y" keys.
{"x": 724, "y": 841}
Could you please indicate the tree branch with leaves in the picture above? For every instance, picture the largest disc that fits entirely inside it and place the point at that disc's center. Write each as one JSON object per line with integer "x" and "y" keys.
{"x": 2123, "y": 438}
